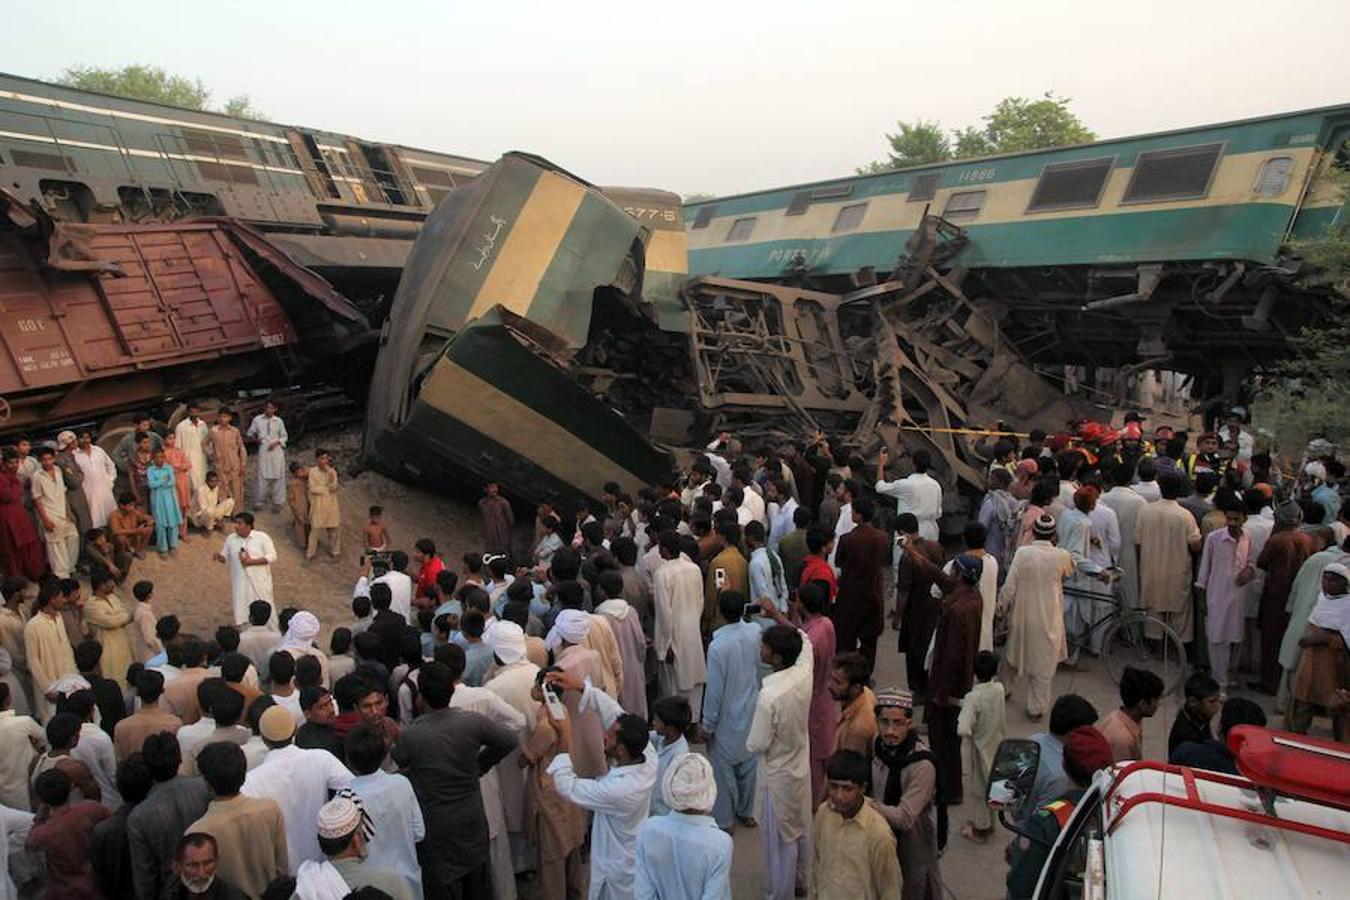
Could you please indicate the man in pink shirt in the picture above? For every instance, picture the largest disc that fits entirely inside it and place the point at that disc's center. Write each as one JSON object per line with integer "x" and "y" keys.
{"x": 1140, "y": 691}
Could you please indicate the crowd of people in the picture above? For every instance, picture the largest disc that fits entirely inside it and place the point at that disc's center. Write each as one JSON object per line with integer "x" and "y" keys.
{"x": 596, "y": 712}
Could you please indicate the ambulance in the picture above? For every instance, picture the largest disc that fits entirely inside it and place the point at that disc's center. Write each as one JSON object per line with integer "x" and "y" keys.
{"x": 1151, "y": 831}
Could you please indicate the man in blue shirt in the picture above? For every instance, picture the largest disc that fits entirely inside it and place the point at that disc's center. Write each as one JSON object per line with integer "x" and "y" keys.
{"x": 768, "y": 579}
{"x": 1069, "y": 712}
{"x": 729, "y": 707}
{"x": 683, "y": 855}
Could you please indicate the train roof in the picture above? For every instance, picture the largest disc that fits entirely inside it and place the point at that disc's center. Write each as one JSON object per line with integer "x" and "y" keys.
{"x": 1318, "y": 111}
{"x": 214, "y": 114}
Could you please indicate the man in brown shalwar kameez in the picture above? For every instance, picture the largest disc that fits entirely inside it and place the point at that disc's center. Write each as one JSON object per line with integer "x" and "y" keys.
{"x": 229, "y": 458}
{"x": 498, "y": 520}
{"x": 916, "y": 610}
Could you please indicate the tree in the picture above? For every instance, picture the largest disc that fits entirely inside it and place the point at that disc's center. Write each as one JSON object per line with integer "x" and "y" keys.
{"x": 1015, "y": 124}
{"x": 242, "y": 108}
{"x": 698, "y": 197}
{"x": 1305, "y": 398}
{"x": 153, "y": 84}
{"x": 918, "y": 143}
{"x": 1021, "y": 124}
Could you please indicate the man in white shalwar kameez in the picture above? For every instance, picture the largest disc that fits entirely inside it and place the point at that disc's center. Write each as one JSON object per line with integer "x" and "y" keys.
{"x": 100, "y": 472}
{"x": 249, "y": 553}
{"x": 918, "y": 493}
{"x": 779, "y": 735}
{"x": 270, "y": 433}
{"x": 677, "y": 592}
{"x": 1126, "y": 504}
{"x": 56, "y": 524}
{"x": 194, "y": 435}
{"x": 1034, "y": 589}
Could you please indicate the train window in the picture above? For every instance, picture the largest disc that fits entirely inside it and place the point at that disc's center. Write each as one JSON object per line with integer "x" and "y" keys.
{"x": 427, "y": 177}
{"x": 704, "y": 217}
{"x": 1181, "y": 174}
{"x": 838, "y": 192}
{"x": 964, "y": 206}
{"x": 1071, "y": 185}
{"x": 35, "y": 160}
{"x": 1273, "y": 179}
{"x": 800, "y": 203}
{"x": 740, "y": 229}
{"x": 924, "y": 186}
{"x": 202, "y": 143}
{"x": 849, "y": 218}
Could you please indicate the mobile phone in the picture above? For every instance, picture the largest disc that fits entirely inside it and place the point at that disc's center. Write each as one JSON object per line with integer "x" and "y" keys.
{"x": 720, "y": 578}
{"x": 749, "y": 611}
{"x": 555, "y": 706}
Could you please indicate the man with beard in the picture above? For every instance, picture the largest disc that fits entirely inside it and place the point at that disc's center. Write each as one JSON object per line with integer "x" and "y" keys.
{"x": 904, "y": 790}
{"x": 195, "y": 864}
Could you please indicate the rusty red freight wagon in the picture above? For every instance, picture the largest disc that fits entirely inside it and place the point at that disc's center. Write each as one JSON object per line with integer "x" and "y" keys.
{"x": 96, "y": 318}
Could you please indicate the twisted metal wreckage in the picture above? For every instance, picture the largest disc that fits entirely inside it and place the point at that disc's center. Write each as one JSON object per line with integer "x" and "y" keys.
{"x": 910, "y": 362}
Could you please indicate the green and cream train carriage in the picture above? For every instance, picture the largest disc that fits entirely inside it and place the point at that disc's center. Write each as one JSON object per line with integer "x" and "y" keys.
{"x": 1173, "y": 244}
{"x": 476, "y": 375}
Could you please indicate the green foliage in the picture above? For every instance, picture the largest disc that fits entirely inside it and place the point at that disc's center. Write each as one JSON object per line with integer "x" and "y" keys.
{"x": 242, "y": 108}
{"x": 139, "y": 83}
{"x": 1017, "y": 123}
{"x": 1306, "y": 398}
{"x": 969, "y": 142}
{"x": 918, "y": 143}
{"x": 698, "y": 197}
{"x": 153, "y": 84}
{"x": 1021, "y": 124}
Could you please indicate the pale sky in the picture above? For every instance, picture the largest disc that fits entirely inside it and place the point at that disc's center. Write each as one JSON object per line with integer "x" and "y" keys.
{"x": 695, "y": 96}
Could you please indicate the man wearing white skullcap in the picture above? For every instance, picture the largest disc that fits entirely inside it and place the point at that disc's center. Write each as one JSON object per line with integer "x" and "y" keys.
{"x": 343, "y": 831}
{"x": 683, "y": 855}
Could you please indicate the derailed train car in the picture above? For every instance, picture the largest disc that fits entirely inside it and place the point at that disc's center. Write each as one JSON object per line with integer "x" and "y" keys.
{"x": 102, "y": 318}
{"x": 495, "y": 302}
{"x": 545, "y": 335}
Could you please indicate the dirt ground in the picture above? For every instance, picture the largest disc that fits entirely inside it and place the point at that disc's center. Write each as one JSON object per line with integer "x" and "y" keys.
{"x": 191, "y": 585}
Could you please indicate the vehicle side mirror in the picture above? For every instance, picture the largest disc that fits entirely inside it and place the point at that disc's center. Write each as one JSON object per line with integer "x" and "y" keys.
{"x": 1013, "y": 773}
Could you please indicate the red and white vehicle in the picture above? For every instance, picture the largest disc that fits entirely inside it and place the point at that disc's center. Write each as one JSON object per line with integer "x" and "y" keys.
{"x": 1153, "y": 831}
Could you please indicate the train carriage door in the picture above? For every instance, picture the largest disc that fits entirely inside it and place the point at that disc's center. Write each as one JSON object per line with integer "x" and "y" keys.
{"x": 138, "y": 312}
{"x": 317, "y": 175}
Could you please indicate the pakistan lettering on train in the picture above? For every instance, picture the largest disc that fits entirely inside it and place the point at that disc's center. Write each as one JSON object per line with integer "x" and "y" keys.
{"x": 489, "y": 242}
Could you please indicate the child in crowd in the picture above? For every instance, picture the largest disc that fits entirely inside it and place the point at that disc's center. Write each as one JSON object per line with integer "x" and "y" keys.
{"x": 102, "y": 554}
{"x": 340, "y": 660}
{"x": 361, "y": 609}
{"x": 1140, "y": 691}
{"x": 297, "y": 498}
{"x": 1193, "y": 719}
{"x": 145, "y": 642}
{"x": 982, "y": 724}
{"x": 377, "y": 536}
{"x": 670, "y": 720}
{"x": 131, "y": 528}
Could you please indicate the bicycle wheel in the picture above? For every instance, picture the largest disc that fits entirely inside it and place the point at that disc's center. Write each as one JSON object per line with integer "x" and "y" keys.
{"x": 1141, "y": 641}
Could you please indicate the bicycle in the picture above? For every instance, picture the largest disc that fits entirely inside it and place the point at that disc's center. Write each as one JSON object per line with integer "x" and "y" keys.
{"x": 1129, "y": 637}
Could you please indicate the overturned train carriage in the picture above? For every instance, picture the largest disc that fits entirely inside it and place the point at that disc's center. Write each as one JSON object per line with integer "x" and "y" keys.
{"x": 496, "y": 301}
{"x": 545, "y": 336}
